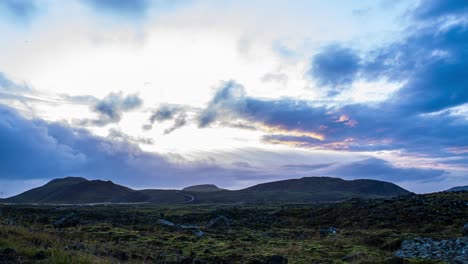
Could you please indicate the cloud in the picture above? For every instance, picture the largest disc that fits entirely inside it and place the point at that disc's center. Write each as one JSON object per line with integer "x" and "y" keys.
{"x": 8, "y": 85}
{"x": 354, "y": 127}
{"x": 308, "y": 166}
{"x": 28, "y": 150}
{"x": 168, "y": 112}
{"x": 110, "y": 109}
{"x": 20, "y": 10}
{"x": 115, "y": 134}
{"x": 335, "y": 66}
{"x": 439, "y": 8}
{"x": 432, "y": 62}
{"x": 38, "y": 150}
{"x": 133, "y": 8}
{"x": 373, "y": 168}
{"x": 35, "y": 149}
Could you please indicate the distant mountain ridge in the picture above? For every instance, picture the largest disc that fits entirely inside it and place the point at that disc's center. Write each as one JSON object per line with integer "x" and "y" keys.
{"x": 202, "y": 188}
{"x": 458, "y": 189}
{"x": 76, "y": 190}
{"x": 79, "y": 190}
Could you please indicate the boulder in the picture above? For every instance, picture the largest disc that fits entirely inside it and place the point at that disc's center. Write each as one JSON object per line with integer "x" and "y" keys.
{"x": 9, "y": 221}
{"x": 68, "y": 220}
{"x": 165, "y": 223}
{"x": 327, "y": 231}
{"x": 451, "y": 250}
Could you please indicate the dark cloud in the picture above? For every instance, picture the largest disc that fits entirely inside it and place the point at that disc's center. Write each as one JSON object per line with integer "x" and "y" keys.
{"x": 373, "y": 168}
{"x": 431, "y": 9}
{"x": 168, "y": 112}
{"x": 355, "y": 127}
{"x": 433, "y": 63}
{"x": 335, "y": 67}
{"x": 20, "y": 10}
{"x": 110, "y": 109}
{"x": 28, "y": 150}
{"x": 35, "y": 149}
{"x": 229, "y": 99}
{"x": 133, "y": 8}
{"x": 230, "y": 103}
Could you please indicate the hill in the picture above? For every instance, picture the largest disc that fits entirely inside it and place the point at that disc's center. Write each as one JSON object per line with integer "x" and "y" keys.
{"x": 329, "y": 184}
{"x": 458, "y": 189}
{"x": 75, "y": 190}
{"x": 202, "y": 188}
{"x": 78, "y": 190}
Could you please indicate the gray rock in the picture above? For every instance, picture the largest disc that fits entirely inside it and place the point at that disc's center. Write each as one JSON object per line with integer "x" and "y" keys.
{"x": 199, "y": 233}
{"x": 9, "y": 221}
{"x": 69, "y": 220}
{"x": 453, "y": 250}
{"x": 165, "y": 223}
{"x": 327, "y": 231}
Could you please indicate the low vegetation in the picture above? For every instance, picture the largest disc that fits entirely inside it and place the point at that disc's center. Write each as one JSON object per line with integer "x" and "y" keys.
{"x": 354, "y": 231}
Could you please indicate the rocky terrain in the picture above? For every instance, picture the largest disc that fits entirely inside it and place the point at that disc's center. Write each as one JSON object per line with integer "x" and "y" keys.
{"x": 406, "y": 229}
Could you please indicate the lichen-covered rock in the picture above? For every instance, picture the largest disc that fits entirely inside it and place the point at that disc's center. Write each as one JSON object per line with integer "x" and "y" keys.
{"x": 69, "y": 220}
{"x": 451, "y": 250}
{"x": 9, "y": 221}
{"x": 165, "y": 223}
{"x": 327, "y": 231}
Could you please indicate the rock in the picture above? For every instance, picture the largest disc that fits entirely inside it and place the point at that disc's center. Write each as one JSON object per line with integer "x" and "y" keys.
{"x": 277, "y": 259}
{"x": 453, "y": 250}
{"x": 9, "y": 256}
{"x": 165, "y": 223}
{"x": 218, "y": 222}
{"x": 189, "y": 227}
{"x": 465, "y": 230}
{"x": 199, "y": 233}
{"x": 354, "y": 257}
{"x": 327, "y": 231}
{"x": 69, "y": 220}
{"x": 9, "y": 221}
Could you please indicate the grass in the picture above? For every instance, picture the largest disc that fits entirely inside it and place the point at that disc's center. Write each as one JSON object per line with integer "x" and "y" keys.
{"x": 370, "y": 229}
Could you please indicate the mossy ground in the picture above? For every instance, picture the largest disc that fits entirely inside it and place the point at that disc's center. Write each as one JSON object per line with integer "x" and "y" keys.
{"x": 371, "y": 229}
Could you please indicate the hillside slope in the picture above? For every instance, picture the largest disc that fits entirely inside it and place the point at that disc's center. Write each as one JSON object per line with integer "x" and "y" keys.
{"x": 78, "y": 190}
{"x": 329, "y": 184}
{"x": 458, "y": 189}
{"x": 74, "y": 190}
{"x": 202, "y": 188}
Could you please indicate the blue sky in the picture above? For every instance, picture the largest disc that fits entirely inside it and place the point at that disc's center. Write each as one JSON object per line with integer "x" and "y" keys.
{"x": 166, "y": 94}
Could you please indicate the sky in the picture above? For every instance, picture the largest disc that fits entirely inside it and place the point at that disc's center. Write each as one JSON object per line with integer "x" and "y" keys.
{"x": 171, "y": 93}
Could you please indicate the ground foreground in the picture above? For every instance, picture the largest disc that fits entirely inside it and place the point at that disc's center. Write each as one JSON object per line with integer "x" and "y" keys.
{"x": 396, "y": 230}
